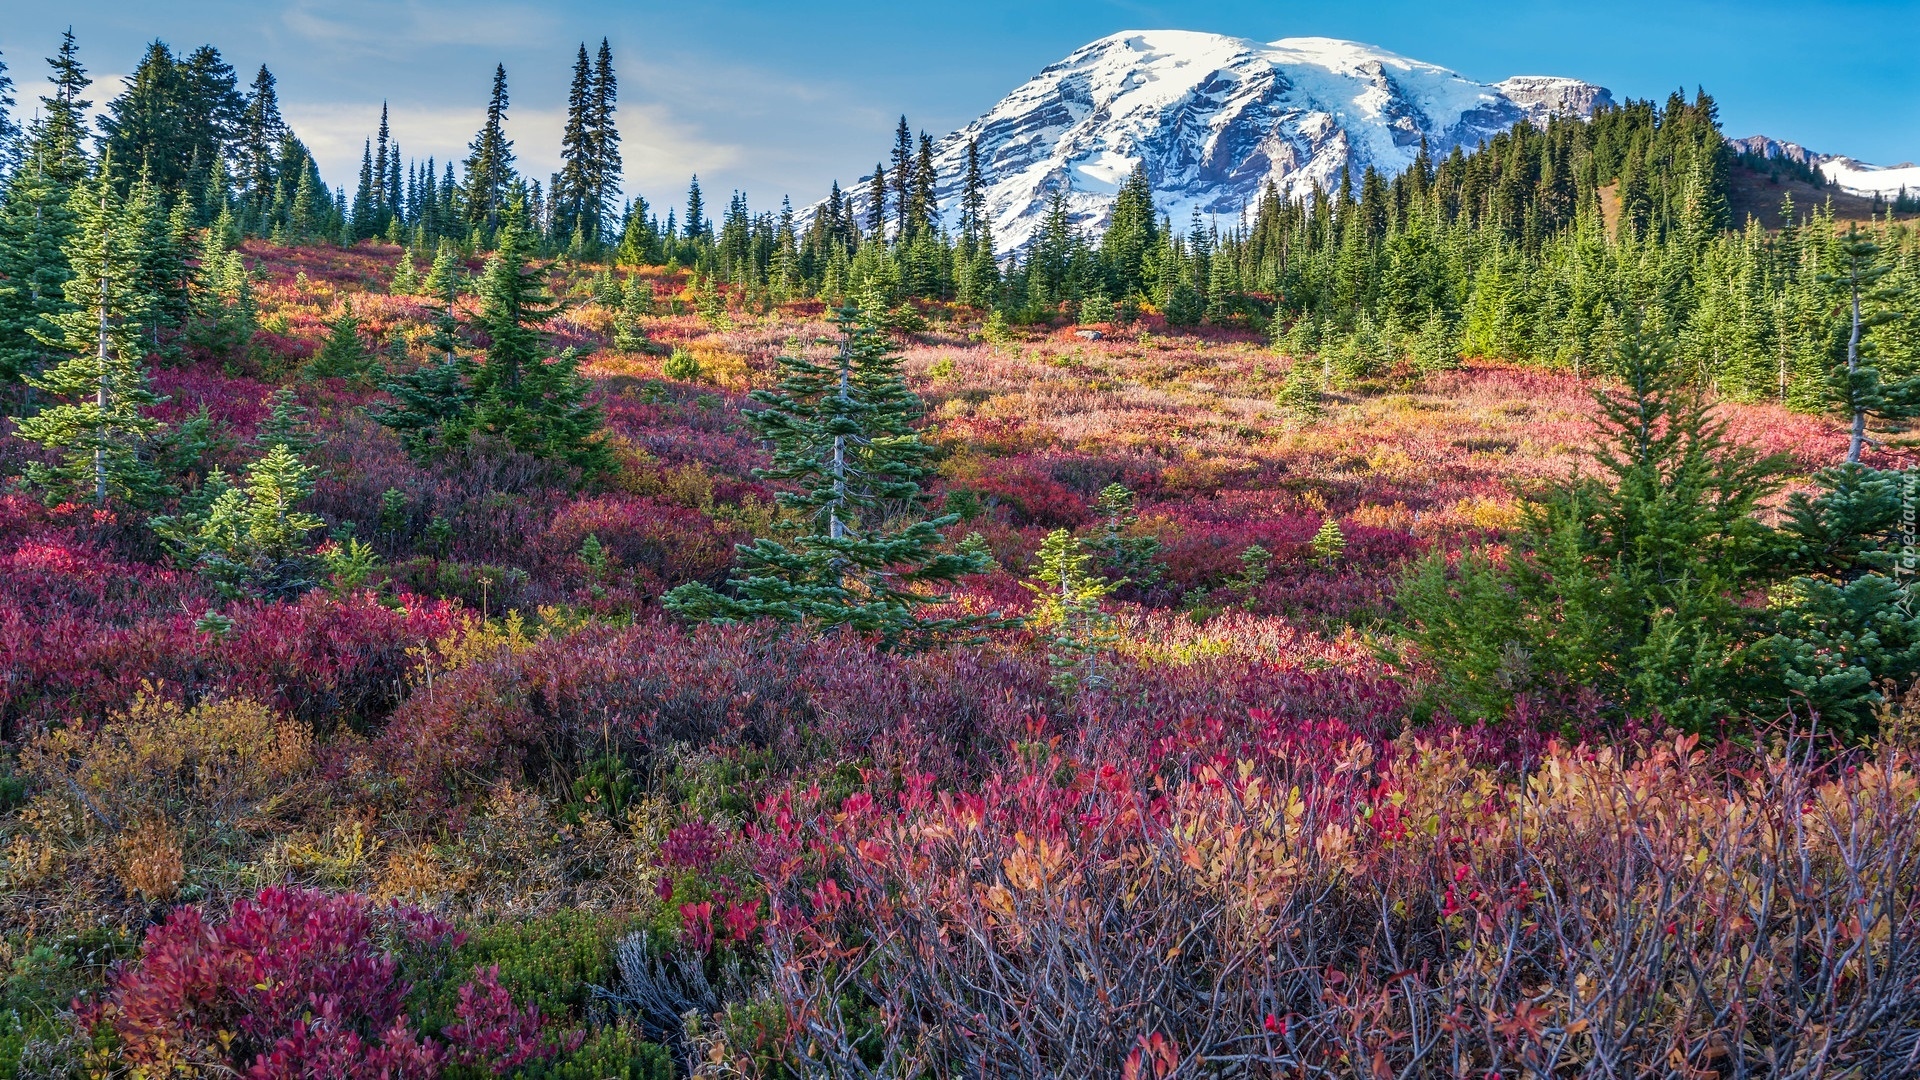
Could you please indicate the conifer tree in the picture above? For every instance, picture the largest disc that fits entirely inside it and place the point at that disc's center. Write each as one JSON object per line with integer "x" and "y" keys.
{"x": 10, "y": 149}
{"x": 98, "y": 424}
{"x": 1856, "y": 382}
{"x": 36, "y": 221}
{"x": 925, "y": 206}
{"x": 695, "y": 223}
{"x": 432, "y": 407}
{"x": 161, "y": 276}
{"x": 859, "y": 554}
{"x": 260, "y": 135}
{"x": 36, "y": 217}
{"x": 1630, "y": 583}
{"x": 973, "y": 197}
{"x": 490, "y": 169}
{"x": 533, "y": 401}
{"x": 603, "y": 192}
{"x": 58, "y": 138}
{"x": 902, "y": 192}
{"x": 286, "y": 424}
{"x": 877, "y": 205}
{"x": 344, "y": 354}
{"x": 378, "y": 193}
{"x": 251, "y": 540}
{"x": 1067, "y": 596}
{"x": 1124, "y": 553}
{"x": 364, "y": 213}
{"x": 575, "y": 181}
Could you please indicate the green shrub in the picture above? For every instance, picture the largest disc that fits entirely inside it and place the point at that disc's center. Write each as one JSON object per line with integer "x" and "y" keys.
{"x": 609, "y": 1053}
{"x": 551, "y": 962}
{"x": 681, "y": 366}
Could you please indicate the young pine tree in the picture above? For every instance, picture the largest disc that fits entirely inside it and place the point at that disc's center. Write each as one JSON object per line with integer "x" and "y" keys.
{"x": 98, "y": 423}
{"x": 861, "y": 554}
{"x": 344, "y": 355}
{"x": 432, "y": 407}
{"x": 251, "y": 540}
{"x": 532, "y": 401}
{"x": 1124, "y": 553}
{"x": 1630, "y": 583}
{"x": 1856, "y": 382}
{"x": 1847, "y": 625}
{"x": 286, "y": 424}
{"x": 1067, "y": 596}
{"x": 36, "y": 225}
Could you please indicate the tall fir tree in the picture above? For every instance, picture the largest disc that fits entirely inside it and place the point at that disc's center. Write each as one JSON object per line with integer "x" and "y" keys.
{"x": 10, "y": 148}
{"x": 877, "y": 205}
{"x": 36, "y": 220}
{"x": 98, "y": 424}
{"x": 58, "y": 137}
{"x": 365, "y": 214}
{"x": 573, "y": 185}
{"x": 260, "y": 135}
{"x": 382, "y": 207}
{"x": 973, "y": 197}
{"x": 490, "y": 166}
{"x": 902, "y": 174}
{"x": 603, "y": 195}
{"x": 695, "y": 223}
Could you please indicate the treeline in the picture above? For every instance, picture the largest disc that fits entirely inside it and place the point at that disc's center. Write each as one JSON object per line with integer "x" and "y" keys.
{"x": 1532, "y": 247}
{"x": 219, "y": 155}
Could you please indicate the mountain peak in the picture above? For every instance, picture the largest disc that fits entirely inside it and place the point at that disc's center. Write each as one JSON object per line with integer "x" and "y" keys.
{"x": 1214, "y": 119}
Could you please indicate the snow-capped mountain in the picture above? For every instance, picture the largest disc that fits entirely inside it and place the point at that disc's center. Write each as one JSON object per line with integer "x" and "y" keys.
{"x": 1214, "y": 118}
{"x": 1850, "y": 176}
{"x": 1859, "y": 178}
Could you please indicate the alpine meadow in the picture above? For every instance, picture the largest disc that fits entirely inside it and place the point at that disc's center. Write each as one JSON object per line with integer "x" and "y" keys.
{"x": 1247, "y": 561}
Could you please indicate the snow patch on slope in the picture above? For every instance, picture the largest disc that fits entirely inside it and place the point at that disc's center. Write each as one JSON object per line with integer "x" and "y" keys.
{"x": 1859, "y": 178}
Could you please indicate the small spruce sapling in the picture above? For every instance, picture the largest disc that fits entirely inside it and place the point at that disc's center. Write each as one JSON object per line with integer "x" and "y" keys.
{"x": 1256, "y": 563}
{"x": 1067, "y": 596}
{"x": 251, "y": 539}
{"x": 344, "y": 355}
{"x": 1123, "y": 552}
{"x": 1329, "y": 543}
{"x": 681, "y": 366}
{"x": 856, "y": 551}
{"x": 1299, "y": 395}
{"x": 406, "y": 279}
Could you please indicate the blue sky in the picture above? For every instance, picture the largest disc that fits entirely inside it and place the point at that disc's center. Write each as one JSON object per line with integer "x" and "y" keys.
{"x": 781, "y": 98}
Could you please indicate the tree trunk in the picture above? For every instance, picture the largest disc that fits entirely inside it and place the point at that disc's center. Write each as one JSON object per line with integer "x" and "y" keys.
{"x": 1859, "y": 434}
{"x": 100, "y": 400}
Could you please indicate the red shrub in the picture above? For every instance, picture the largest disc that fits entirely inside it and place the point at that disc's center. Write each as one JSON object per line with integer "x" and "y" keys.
{"x": 669, "y": 544}
{"x": 300, "y": 984}
{"x": 1031, "y": 498}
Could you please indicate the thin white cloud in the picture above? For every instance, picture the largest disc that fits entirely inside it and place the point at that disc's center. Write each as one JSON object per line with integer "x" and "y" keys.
{"x": 659, "y": 151}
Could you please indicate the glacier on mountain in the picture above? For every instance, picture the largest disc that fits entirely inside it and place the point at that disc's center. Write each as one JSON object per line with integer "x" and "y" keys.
{"x": 1213, "y": 119}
